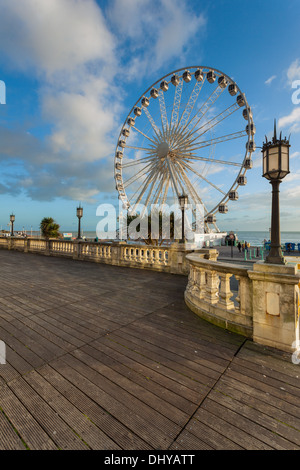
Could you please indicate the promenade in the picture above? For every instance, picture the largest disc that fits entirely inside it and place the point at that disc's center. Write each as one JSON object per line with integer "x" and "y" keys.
{"x": 107, "y": 357}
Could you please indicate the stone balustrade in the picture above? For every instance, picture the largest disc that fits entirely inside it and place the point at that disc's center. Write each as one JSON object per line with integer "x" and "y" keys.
{"x": 159, "y": 258}
{"x": 264, "y": 306}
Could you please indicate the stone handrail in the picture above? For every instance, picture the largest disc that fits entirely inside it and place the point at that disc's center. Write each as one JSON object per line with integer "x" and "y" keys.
{"x": 171, "y": 259}
{"x": 264, "y": 307}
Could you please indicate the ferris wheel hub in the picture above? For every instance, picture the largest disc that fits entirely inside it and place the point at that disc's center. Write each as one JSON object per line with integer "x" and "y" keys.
{"x": 162, "y": 149}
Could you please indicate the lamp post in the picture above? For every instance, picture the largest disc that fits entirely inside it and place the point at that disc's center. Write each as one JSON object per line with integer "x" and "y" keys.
{"x": 183, "y": 199}
{"x": 12, "y": 219}
{"x": 79, "y": 213}
{"x": 275, "y": 168}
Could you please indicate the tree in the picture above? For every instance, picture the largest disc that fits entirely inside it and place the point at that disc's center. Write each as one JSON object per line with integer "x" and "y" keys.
{"x": 49, "y": 228}
{"x": 162, "y": 235}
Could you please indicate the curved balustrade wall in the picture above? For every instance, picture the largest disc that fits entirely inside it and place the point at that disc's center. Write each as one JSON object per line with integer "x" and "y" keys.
{"x": 264, "y": 306}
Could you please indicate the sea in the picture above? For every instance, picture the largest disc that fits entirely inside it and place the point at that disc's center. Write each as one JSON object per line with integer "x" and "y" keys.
{"x": 254, "y": 238}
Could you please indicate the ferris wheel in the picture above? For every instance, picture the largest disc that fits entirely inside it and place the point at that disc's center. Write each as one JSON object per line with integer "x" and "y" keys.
{"x": 186, "y": 135}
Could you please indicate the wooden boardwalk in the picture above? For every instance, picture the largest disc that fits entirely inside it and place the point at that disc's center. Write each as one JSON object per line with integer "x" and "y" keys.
{"x": 101, "y": 357}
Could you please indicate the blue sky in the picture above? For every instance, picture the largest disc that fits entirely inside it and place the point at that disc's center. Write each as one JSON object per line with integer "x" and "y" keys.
{"x": 74, "y": 68}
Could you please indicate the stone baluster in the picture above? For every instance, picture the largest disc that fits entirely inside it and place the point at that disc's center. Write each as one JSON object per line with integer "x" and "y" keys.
{"x": 212, "y": 287}
{"x": 225, "y": 293}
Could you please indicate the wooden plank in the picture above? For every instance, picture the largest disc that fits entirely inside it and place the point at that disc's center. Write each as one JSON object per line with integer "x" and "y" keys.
{"x": 171, "y": 390}
{"x": 130, "y": 381}
{"x": 211, "y": 437}
{"x": 179, "y": 314}
{"x": 261, "y": 413}
{"x": 120, "y": 396}
{"x": 256, "y": 423}
{"x": 246, "y": 394}
{"x": 21, "y": 349}
{"x": 287, "y": 393}
{"x": 9, "y": 439}
{"x": 28, "y": 428}
{"x": 78, "y": 399}
{"x": 137, "y": 424}
{"x": 167, "y": 318}
{"x": 270, "y": 375}
{"x": 187, "y": 344}
{"x": 90, "y": 434}
{"x": 171, "y": 355}
{"x": 162, "y": 364}
{"x": 63, "y": 436}
{"x": 15, "y": 365}
{"x": 57, "y": 327}
{"x": 218, "y": 419}
{"x": 273, "y": 358}
{"x": 69, "y": 340}
{"x": 188, "y": 441}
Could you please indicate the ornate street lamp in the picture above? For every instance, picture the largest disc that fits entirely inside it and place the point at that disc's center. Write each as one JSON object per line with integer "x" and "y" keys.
{"x": 183, "y": 199}
{"x": 79, "y": 213}
{"x": 275, "y": 168}
{"x": 12, "y": 219}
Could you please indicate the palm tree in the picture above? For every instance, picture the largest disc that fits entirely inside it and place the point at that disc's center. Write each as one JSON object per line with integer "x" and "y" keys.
{"x": 49, "y": 228}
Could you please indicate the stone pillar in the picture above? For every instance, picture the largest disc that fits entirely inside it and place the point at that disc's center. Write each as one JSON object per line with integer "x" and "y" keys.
{"x": 275, "y": 304}
{"x": 76, "y": 249}
{"x": 116, "y": 253}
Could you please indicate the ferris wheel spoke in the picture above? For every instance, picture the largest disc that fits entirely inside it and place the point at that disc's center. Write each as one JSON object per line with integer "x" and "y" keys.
{"x": 146, "y": 184}
{"x": 189, "y": 188}
{"x": 215, "y": 121}
{"x": 176, "y": 104}
{"x": 143, "y": 149}
{"x": 157, "y": 191}
{"x": 152, "y": 122}
{"x": 138, "y": 175}
{"x": 138, "y": 161}
{"x": 185, "y": 182}
{"x": 154, "y": 141}
{"x": 163, "y": 112}
{"x": 205, "y": 107}
{"x": 143, "y": 184}
{"x": 172, "y": 176}
{"x": 194, "y": 145}
{"x": 148, "y": 198}
{"x": 191, "y": 103}
{"x": 206, "y": 159}
{"x": 164, "y": 197}
{"x": 203, "y": 178}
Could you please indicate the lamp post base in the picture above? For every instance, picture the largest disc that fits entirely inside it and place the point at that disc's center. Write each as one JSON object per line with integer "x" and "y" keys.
{"x": 275, "y": 256}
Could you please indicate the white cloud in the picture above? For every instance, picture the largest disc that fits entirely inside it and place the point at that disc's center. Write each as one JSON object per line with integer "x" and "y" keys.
{"x": 295, "y": 155}
{"x": 54, "y": 35}
{"x": 80, "y": 57}
{"x": 293, "y": 72}
{"x": 270, "y": 80}
{"x": 156, "y": 31}
{"x": 68, "y": 47}
{"x": 292, "y": 121}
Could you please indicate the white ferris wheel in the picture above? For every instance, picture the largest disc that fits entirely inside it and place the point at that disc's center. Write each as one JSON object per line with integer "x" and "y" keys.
{"x": 183, "y": 136}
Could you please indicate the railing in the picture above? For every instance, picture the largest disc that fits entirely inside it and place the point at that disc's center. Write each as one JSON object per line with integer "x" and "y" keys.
{"x": 209, "y": 290}
{"x": 167, "y": 259}
{"x": 261, "y": 303}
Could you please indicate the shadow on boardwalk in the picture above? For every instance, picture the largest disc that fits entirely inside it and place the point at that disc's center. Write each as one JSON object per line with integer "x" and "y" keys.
{"x": 101, "y": 357}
